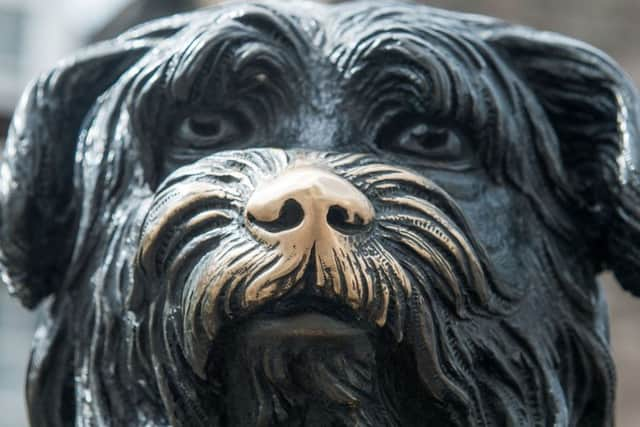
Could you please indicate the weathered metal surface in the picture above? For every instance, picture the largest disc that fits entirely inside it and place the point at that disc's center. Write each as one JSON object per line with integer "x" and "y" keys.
{"x": 294, "y": 214}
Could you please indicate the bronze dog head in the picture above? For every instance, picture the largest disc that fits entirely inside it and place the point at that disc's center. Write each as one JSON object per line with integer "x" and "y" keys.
{"x": 372, "y": 214}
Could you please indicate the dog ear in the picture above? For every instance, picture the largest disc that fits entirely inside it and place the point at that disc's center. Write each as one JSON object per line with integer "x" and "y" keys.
{"x": 594, "y": 109}
{"x": 39, "y": 208}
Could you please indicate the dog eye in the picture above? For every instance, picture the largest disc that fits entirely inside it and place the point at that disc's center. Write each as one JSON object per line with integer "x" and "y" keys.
{"x": 410, "y": 135}
{"x": 436, "y": 143}
{"x": 209, "y": 129}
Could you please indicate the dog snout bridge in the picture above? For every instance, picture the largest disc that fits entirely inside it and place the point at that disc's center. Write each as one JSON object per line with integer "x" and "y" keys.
{"x": 308, "y": 203}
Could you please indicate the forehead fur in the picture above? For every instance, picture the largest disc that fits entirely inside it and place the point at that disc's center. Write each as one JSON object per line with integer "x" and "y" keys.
{"x": 381, "y": 60}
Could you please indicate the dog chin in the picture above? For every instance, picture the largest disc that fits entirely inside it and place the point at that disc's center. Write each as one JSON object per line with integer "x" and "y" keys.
{"x": 301, "y": 361}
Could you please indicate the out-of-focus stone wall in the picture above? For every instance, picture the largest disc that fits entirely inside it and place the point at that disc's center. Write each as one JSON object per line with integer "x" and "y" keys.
{"x": 625, "y": 338}
{"x": 16, "y": 330}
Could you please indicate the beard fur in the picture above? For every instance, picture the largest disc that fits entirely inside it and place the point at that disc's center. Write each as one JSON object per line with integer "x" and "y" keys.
{"x": 305, "y": 383}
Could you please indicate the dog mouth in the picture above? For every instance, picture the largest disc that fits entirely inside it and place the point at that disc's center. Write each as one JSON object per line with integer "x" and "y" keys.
{"x": 311, "y": 326}
{"x": 294, "y": 326}
{"x": 311, "y": 314}
{"x": 293, "y": 335}
{"x": 299, "y": 322}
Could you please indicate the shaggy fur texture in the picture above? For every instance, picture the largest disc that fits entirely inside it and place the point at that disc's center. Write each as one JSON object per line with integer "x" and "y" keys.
{"x": 502, "y": 164}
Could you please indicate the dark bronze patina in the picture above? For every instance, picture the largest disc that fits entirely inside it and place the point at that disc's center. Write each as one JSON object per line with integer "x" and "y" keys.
{"x": 290, "y": 214}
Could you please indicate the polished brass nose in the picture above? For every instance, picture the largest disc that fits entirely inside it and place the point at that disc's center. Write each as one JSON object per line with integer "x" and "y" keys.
{"x": 309, "y": 202}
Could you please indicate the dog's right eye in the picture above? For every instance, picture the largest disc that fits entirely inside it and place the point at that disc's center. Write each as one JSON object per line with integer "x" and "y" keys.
{"x": 206, "y": 130}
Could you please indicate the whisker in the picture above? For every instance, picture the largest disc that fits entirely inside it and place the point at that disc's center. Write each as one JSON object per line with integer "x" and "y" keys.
{"x": 195, "y": 228}
{"x": 448, "y": 236}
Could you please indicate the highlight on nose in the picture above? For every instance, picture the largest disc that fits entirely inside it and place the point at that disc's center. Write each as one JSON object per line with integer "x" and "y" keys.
{"x": 309, "y": 198}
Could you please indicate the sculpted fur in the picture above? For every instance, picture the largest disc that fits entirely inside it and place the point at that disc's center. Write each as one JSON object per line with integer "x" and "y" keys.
{"x": 291, "y": 214}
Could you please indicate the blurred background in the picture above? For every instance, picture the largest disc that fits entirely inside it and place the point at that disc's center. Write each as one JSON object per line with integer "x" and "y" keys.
{"x": 35, "y": 33}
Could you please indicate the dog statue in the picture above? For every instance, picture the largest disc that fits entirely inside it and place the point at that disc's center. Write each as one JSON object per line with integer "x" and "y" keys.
{"x": 292, "y": 214}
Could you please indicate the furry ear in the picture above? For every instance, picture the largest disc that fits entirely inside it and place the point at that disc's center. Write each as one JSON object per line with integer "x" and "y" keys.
{"x": 39, "y": 208}
{"x": 595, "y": 111}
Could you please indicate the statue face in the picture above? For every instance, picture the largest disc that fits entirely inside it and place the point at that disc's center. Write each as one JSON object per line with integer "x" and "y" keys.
{"x": 371, "y": 215}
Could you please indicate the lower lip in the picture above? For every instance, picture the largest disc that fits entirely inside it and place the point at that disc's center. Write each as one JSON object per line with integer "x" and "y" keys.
{"x": 310, "y": 326}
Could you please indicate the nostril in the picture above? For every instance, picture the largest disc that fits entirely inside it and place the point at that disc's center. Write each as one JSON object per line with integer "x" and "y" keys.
{"x": 338, "y": 219}
{"x": 291, "y": 214}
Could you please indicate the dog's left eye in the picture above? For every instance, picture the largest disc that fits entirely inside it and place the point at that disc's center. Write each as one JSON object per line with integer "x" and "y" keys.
{"x": 435, "y": 143}
{"x": 209, "y": 129}
{"x": 414, "y": 137}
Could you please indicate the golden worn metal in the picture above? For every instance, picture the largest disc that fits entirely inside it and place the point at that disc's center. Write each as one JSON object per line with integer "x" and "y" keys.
{"x": 317, "y": 193}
